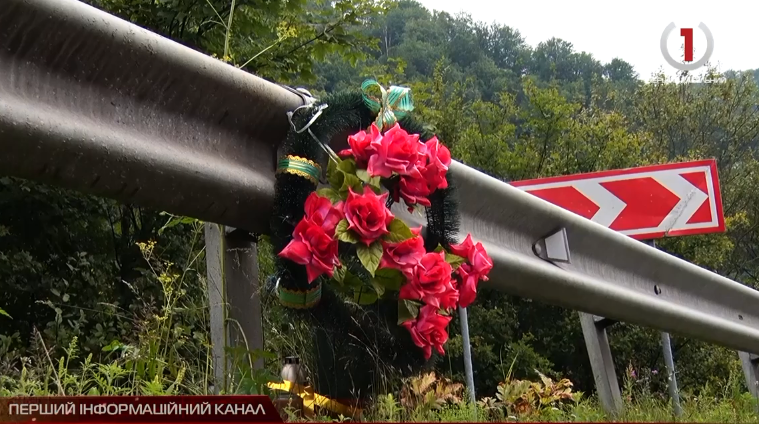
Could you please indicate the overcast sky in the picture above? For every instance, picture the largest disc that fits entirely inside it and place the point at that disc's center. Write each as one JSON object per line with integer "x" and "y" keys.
{"x": 630, "y": 30}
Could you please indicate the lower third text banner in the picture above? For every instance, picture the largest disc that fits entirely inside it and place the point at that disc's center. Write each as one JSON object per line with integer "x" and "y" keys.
{"x": 139, "y": 409}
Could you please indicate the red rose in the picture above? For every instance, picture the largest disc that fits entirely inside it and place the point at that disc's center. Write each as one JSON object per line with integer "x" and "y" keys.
{"x": 446, "y": 300}
{"x": 467, "y": 285}
{"x": 478, "y": 265}
{"x": 410, "y": 291}
{"x": 403, "y": 255}
{"x": 431, "y": 277}
{"x": 363, "y": 145}
{"x": 481, "y": 261}
{"x": 312, "y": 247}
{"x": 463, "y": 248}
{"x": 476, "y": 255}
{"x": 322, "y": 213}
{"x": 367, "y": 215}
{"x": 398, "y": 152}
{"x": 414, "y": 190}
{"x": 433, "y": 272}
{"x": 429, "y": 330}
{"x": 438, "y": 159}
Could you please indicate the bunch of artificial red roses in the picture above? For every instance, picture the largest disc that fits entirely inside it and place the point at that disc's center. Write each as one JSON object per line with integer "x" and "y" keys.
{"x": 420, "y": 166}
{"x": 353, "y": 210}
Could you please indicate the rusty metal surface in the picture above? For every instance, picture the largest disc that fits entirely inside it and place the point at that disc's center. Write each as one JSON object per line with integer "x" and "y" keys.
{"x": 94, "y": 103}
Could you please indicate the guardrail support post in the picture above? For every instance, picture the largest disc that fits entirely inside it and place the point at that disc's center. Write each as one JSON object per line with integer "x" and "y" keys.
{"x": 233, "y": 297}
{"x": 601, "y": 362}
{"x": 669, "y": 362}
{"x": 750, "y": 364}
{"x": 464, "y": 319}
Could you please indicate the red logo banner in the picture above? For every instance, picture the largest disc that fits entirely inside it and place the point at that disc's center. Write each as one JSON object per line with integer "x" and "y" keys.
{"x": 139, "y": 409}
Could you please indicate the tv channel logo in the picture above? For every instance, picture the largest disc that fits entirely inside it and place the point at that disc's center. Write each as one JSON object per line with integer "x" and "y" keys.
{"x": 687, "y": 34}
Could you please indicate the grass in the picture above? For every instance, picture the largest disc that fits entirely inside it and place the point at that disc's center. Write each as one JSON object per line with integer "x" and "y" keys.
{"x": 121, "y": 377}
{"x": 169, "y": 354}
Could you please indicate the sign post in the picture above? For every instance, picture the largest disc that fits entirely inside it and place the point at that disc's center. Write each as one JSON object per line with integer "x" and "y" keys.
{"x": 669, "y": 363}
{"x": 467, "y": 356}
{"x": 644, "y": 203}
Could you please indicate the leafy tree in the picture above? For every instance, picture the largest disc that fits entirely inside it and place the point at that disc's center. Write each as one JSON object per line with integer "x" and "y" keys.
{"x": 276, "y": 40}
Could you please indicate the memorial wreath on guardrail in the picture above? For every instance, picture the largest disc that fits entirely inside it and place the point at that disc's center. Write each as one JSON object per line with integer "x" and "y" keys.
{"x": 345, "y": 234}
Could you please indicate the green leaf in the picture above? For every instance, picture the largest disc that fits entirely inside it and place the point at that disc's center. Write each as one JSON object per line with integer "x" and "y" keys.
{"x": 348, "y": 166}
{"x": 389, "y": 278}
{"x": 344, "y": 234}
{"x": 407, "y": 310}
{"x": 113, "y": 346}
{"x": 363, "y": 175}
{"x": 2, "y": 312}
{"x": 375, "y": 182}
{"x": 334, "y": 175}
{"x": 329, "y": 193}
{"x": 262, "y": 354}
{"x": 378, "y": 288}
{"x": 342, "y": 289}
{"x": 352, "y": 280}
{"x": 352, "y": 181}
{"x": 454, "y": 260}
{"x": 399, "y": 231}
{"x": 174, "y": 221}
{"x": 370, "y": 256}
{"x": 364, "y": 296}
{"x": 345, "y": 279}
{"x": 439, "y": 248}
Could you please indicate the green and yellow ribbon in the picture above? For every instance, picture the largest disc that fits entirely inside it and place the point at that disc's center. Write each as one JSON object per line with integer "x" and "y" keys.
{"x": 391, "y": 106}
{"x": 297, "y": 299}
{"x": 301, "y": 167}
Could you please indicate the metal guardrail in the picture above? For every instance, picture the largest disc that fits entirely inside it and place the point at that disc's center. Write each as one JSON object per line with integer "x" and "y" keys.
{"x": 610, "y": 274}
{"x": 93, "y": 103}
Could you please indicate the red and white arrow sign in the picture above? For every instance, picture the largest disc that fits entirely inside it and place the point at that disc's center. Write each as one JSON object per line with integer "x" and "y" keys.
{"x": 649, "y": 202}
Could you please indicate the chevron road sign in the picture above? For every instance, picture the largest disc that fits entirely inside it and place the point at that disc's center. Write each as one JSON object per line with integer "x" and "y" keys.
{"x": 644, "y": 203}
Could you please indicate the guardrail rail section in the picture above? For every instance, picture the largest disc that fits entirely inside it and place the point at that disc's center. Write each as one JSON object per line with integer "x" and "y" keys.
{"x": 96, "y": 104}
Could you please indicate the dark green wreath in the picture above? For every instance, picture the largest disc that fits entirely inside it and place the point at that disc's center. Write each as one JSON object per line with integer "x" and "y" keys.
{"x": 343, "y": 328}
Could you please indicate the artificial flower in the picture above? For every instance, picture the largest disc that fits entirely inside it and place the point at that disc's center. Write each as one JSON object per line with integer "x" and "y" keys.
{"x": 398, "y": 152}
{"x": 428, "y": 330}
{"x": 312, "y": 247}
{"x": 322, "y": 212}
{"x": 367, "y": 215}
